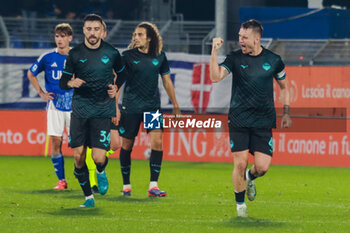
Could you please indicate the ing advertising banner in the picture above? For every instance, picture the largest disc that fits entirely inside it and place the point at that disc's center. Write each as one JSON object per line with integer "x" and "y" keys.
{"x": 25, "y": 134}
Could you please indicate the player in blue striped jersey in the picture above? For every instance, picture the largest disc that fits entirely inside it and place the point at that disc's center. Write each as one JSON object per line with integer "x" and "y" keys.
{"x": 58, "y": 101}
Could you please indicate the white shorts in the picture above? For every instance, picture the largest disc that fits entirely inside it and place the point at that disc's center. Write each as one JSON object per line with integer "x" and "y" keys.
{"x": 57, "y": 120}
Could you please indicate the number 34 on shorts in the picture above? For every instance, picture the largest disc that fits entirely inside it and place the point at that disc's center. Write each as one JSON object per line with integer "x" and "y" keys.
{"x": 105, "y": 138}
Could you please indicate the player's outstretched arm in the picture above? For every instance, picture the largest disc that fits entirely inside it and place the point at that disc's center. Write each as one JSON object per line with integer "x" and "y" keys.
{"x": 286, "y": 121}
{"x": 34, "y": 81}
{"x": 169, "y": 88}
{"x": 217, "y": 73}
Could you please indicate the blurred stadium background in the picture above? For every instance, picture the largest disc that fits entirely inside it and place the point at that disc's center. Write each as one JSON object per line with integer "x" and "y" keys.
{"x": 302, "y": 31}
{"x": 312, "y": 37}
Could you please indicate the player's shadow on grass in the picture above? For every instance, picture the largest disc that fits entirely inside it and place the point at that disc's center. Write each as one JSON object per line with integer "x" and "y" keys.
{"x": 250, "y": 222}
{"x": 45, "y": 191}
{"x": 76, "y": 212}
{"x": 70, "y": 194}
{"x": 133, "y": 200}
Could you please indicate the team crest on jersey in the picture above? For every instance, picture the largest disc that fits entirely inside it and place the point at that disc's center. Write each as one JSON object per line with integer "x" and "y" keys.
{"x": 105, "y": 59}
{"x": 266, "y": 66}
{"x": 155, "y": 62}
{"x": 121, "y": 130}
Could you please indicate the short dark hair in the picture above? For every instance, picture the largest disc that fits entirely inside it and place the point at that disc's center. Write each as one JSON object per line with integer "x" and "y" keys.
{"x": 255, "y": 25}
{"x": 93, "y": 17}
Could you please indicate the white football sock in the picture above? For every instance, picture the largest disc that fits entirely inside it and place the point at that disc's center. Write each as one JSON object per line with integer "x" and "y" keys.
{"x": 126, "y": 186}
{"x": 153, "y": 184}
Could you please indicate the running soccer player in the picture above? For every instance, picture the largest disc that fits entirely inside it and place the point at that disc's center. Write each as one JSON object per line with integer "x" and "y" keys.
{"x": 143, "y": 63}
{"x": 58, "y": 100}
{"x": 252, "y": 113}
{"x": 89, "y": 70}
{"x": 115, "y": 138}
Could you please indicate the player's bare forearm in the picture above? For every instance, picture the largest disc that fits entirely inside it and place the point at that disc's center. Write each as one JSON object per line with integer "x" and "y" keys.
{"x": 117, "y": 118}
{"x": 285, "y": 91}
{"x": 34, "y": 81}
{"x": 117, "y": 97}
{"x": 214, "y": 67}
{"x": 170, "y": 90}
{"x": 217, "y": 73}
{"x": 286, "y": 121}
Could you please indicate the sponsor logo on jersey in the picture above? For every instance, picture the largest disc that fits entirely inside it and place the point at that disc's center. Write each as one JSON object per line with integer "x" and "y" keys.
{"x": 56, "y": 74}
{"x": 266, "y": 66}
{"x": 244, "y": 66}
{"x": 155, "y": 62}
{"x": 83, "y": 60}
{"x": 136, "y": 62}
{"x": 54, "y": 64}
{"x": 105, "y": 59}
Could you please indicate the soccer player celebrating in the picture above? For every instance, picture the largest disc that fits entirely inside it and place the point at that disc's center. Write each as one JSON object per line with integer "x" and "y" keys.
{"x": 252, "y": 113}
{"x": 59, "y": 101}
{"x": 89, "y": 70}
{"x": 114, "y": 136}
{"x": 143, "y": 64}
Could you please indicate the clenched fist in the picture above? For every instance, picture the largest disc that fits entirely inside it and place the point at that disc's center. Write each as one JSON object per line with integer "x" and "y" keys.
{"x": 217, "y": 43}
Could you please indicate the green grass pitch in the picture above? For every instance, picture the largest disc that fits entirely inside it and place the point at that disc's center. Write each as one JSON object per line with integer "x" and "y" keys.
{"x": 200, "y": 199}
